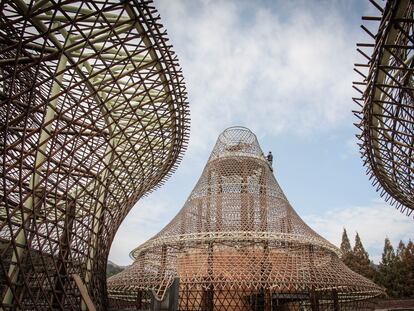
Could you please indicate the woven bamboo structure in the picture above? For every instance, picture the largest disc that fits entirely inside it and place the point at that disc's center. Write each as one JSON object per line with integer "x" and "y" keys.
{"x": 237, "y": 244}
{"x": 386, "y": 114}
{"x": 93, "y": 116}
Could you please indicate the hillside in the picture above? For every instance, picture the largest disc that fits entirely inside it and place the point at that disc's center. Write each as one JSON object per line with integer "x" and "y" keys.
{"x": 113, "y": 268}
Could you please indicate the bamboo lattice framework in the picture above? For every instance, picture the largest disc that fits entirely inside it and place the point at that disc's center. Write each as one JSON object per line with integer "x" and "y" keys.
{"x": 237, "y": 244}
{"x": 386, "y": 115}
{"x": 94, "y": 115}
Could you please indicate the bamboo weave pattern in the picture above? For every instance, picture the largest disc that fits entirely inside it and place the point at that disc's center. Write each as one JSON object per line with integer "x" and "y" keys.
{"x": 93, "y": 116}
{"x": 237, "y": 244}
{"x": 386, "y": 114}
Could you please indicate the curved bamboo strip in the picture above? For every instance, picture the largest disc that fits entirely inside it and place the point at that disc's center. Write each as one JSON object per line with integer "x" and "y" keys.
{"x": 386, "y": 116}
{"x": 94, "y": 115}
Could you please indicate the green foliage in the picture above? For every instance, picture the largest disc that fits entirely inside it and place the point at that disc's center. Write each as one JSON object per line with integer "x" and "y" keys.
{"x": 388, "y": 255}
{"x": 403, "y": 267}
{"x": 408, "y": 260}
{"x": 359, "y": 250}
{"x": 389, "y": 275}
{"x": 395, "y": 271}
{"x": 345, "y": 244}
{"x": 358, "y": 260}
{"x": 112, "y": 269}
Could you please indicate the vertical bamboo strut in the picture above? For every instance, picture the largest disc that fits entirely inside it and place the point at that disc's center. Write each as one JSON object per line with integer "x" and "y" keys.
{"x": 35, "y": 185}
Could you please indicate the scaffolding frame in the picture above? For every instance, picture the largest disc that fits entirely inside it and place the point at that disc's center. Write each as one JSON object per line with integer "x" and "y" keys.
{"x": 385, "y": 101}
{"x": 94, "y": 115}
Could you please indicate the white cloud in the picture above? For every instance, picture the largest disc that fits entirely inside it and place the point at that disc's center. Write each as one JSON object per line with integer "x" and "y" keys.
{"x": 244, "y": 64}
{"x": 373, "y": 223}
{"x": 145, "y": 220}
{"x": 277, "y": 71}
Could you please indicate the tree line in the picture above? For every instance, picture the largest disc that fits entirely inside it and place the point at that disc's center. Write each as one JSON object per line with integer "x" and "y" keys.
{"x": 395, "y": 271}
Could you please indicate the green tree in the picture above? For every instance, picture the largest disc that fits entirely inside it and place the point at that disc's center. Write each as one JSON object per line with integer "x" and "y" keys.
{"x": 405, "y": 269}
{"x": 408, "y": 264}
{"x": 358, "y": 260}
{"x": 387, "y": 270}
{"x": 345, "y": 244}
{"x": 396, "y": 270}
{"x": 400, "y": 250}
{"x": 388, "y": 255}
{"x": 346, "y": 250}
{"x": 399, "y": 270}
{"x": 359, "y": 250}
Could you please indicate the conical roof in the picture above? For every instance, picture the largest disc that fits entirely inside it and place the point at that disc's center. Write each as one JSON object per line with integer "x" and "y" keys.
{"x": 236, "y": 198}
{"x": 238, "y": 230}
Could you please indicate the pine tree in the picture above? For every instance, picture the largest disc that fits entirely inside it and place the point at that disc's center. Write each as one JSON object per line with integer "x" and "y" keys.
{"x": 400, "y": 250}
{"x": 388, "y": 256}
{"x": 387, "y": 270}
{"x": 396, "y": 270}
{"x": 347, "y": 255}
{"x": 400, "y": 271}
{"x": 408, "y": 263}
{"x": 345, "y": 244}
{"x": 359, "y": 250}
{"x": 359, "y": 261}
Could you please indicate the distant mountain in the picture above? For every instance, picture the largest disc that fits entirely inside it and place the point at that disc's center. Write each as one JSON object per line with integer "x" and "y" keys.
{"x": 113, "y": 268}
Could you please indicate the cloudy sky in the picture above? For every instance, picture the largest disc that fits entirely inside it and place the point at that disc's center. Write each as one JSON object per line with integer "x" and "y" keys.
{"x": 283, "y": 69}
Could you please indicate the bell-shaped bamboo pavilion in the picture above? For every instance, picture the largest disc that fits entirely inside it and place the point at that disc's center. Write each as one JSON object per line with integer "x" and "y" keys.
{"x": 237, "y": 244}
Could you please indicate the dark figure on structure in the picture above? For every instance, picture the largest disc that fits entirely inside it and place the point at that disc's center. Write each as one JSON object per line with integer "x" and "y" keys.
{"x": 238, "y": 244}
{"x": 270, "y": 158}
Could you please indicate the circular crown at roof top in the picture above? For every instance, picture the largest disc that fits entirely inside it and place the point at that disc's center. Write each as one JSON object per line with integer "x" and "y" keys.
{"x": 237, "y": 140}
{"x": 238, "y": 233}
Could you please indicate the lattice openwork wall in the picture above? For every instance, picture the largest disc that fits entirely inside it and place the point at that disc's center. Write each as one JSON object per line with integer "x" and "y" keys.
{"x": 237, "y": 244}
{"x": 93, "y": 116}
{"x": 386, "y": 100}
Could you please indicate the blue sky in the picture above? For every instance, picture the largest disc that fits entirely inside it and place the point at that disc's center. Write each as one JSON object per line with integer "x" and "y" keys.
{"x": 283, "y": 69}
